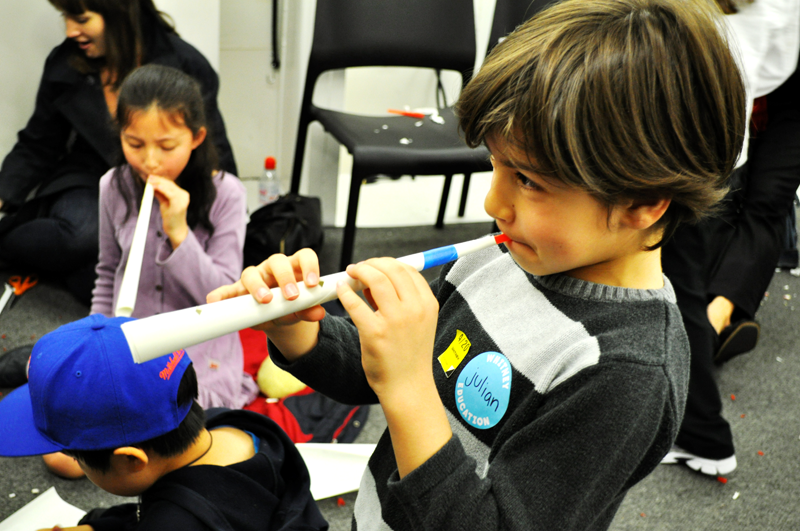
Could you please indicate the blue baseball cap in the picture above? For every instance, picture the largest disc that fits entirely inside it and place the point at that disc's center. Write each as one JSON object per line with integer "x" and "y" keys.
{"x": 85, "y": 392}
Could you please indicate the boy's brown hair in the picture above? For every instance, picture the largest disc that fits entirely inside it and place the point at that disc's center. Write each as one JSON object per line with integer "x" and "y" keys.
{"x": 627, "y": 99}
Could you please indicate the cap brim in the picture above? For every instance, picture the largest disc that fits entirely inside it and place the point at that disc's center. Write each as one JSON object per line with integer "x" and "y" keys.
{"x": 18, "y": 434}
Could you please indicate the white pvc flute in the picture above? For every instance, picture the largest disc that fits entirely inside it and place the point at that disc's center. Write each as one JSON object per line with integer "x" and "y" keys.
{"x": 133, "y": 269}
{"x": 155, "y": 336}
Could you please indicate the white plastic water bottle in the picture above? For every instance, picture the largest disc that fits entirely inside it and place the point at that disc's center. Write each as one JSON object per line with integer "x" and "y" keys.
{"x": 269, "y": 188}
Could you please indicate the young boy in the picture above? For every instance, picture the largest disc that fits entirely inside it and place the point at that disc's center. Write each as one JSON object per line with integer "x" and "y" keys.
{"x": 560, "y": 363}
{"x": 136, "y": 430}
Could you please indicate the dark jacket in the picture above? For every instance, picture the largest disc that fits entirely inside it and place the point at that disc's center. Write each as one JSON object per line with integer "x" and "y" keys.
{"x": 270, "y": 491}
{"x": 70, "y": 141}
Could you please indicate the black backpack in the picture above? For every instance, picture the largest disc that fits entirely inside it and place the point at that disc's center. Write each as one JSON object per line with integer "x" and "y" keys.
{"x": 291, "y": 223}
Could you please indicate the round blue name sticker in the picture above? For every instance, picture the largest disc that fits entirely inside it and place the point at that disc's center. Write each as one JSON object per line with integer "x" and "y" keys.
{"x": 483, "y": 389}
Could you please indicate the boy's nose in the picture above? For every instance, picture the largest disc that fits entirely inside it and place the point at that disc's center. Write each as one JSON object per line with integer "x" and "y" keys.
{"x": 497, "y": 203}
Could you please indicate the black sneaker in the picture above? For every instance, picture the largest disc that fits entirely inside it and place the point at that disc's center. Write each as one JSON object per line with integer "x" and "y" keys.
{"x": 737, "y": 338}
{"x": 14, "y": 367}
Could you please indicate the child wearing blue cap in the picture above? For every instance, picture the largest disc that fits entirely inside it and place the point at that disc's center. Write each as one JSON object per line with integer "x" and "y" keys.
{"x": 532, "y": 385}
{"x": 137, "y": 430}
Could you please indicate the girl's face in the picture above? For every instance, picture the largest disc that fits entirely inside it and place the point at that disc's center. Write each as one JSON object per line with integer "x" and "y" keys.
{"x": 88, "y": 30}
{"x": 156, "y": 142}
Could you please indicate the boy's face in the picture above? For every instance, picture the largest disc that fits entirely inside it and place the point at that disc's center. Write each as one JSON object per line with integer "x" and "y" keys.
{"x": 555, "y": 228}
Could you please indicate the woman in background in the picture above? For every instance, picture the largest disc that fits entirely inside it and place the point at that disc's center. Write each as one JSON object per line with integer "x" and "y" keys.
{"x": 69, "y": 141}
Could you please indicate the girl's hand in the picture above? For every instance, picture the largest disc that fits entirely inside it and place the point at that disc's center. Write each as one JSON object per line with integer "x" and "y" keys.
{"x": 397, "y": 337}
{"x": 285, "y": 272}
{"x": 173, "y": 202}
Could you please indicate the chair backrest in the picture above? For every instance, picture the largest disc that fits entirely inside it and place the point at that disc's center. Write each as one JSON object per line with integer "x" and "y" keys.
{"x": 437, "y": 34}
{"x": 508, "y": 14}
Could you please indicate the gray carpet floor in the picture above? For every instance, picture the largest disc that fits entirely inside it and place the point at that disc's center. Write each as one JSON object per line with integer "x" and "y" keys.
{"x": 763, "y": 494}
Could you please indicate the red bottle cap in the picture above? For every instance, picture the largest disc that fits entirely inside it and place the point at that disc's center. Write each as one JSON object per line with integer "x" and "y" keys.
{"x": 269, "y": 163}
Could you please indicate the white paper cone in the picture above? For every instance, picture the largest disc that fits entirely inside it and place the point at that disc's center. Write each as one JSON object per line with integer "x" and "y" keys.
{"x": 155, "y": 336}
{"x": 162, "y": 334}
{"x": 130, "y": 279}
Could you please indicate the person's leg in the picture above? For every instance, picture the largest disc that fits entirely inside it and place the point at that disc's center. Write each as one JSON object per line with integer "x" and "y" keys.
{"x": 704, "y": 432}
{"x": 63, "y": 465}
{"x": 64, "y": 240}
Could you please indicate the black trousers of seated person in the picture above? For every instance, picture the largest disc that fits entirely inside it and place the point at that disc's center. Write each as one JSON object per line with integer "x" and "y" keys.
{"x": 757, "y": 212}
{"x": 55, "y": 235}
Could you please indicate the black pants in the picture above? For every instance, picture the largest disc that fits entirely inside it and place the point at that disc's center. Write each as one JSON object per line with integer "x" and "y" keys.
{"x": 57, "y": 235}
{"x": 733, "y": 255}
{"x": 687, "y": 262}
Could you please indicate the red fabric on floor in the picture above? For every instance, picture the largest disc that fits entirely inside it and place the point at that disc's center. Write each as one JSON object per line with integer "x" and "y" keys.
{"x": 254, "y": 344}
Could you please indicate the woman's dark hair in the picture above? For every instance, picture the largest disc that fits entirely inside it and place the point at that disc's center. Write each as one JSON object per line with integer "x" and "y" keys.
{"x": 178, "y": 94}
{"x": 129, "y": 26}
{"x": 169, "y": 444}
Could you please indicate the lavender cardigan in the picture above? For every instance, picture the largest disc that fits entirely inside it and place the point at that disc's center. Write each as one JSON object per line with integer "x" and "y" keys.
{"x": 181, "y": 278}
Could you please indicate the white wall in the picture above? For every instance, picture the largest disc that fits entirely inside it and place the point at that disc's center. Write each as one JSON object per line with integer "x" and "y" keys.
{"x": 197, "y": 21}
{"x": 29, "y": 29}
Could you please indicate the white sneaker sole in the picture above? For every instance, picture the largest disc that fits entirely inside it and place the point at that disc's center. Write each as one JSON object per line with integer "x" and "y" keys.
{"x": 709, "y": 467}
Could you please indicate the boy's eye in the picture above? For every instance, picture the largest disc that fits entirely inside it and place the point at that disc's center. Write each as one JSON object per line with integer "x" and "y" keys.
{"x": 526, "y": 183}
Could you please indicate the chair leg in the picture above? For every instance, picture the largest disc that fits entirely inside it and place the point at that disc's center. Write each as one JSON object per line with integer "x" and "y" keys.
{"x": 448, "y": 180}
{"x": 462, "y": 206}
{"x": 348, "y": 240}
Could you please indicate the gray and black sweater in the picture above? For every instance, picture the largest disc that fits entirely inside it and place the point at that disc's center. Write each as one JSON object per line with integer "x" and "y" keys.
{"x": 567, "y": 394}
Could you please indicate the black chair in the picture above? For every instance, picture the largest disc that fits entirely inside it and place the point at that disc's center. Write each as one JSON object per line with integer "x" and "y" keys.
{"x": 508, "y": 14}
{"x": 437, "y": 34}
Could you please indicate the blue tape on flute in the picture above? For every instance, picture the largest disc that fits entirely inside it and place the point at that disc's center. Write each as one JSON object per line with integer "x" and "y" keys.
{"x": 154, "y": 336}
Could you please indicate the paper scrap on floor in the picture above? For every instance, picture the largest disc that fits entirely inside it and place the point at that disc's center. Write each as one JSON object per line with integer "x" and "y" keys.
{"x": 334, "y": 468}
{"x": 44, "y": 512}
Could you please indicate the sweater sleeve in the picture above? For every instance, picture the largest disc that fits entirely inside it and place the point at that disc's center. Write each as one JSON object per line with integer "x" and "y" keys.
{"x": 40, "y": 144}
{"x": 333, "y": 367}
{"x": 109, "y": 254}
{"x": 566, "y": 461}
{"x": 218, "y": 260}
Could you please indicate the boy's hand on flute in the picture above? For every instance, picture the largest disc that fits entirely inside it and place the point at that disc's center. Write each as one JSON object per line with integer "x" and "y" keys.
{"x": 295, "y": 333}
{"x": 397, "y": 333}
{"x": 397, "y": 338}
{"x": 173, "y": 202}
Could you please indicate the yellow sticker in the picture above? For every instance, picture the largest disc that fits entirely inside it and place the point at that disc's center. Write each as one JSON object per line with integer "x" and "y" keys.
{"x": 457, "y": 351}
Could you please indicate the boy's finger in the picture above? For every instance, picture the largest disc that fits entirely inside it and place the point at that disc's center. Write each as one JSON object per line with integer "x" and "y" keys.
{"x": 355, "y": 307}
{"x": 377, "y": 281}
{"x": 397, "y": 274}
{"x": 308, "y": 263}
{"x": 282, "y": 270}
{"x": 254, "y": 282}
{"x": 226, "y": 292}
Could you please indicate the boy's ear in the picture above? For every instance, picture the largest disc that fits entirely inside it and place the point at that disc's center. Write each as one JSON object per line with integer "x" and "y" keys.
{"x": 641, "y": 214}
{"x": 135, "y": 459}
{"x": 199, "y": 137}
